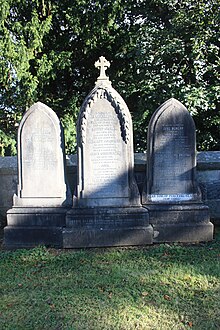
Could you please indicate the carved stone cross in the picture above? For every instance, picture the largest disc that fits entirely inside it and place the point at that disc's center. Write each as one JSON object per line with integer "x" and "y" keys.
{"x": 102, "y": 64}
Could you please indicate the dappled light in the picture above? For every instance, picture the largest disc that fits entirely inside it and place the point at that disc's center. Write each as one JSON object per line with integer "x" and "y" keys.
{"x": 160, "y": 287}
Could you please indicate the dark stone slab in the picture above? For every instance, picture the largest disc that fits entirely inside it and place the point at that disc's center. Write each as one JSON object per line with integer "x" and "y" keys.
{"x": 107, "y": 193}
{"x": 214, "y": 208}
{"x": 37, "y": 217}
{"x": 16, "y": 237}
{"x": 207, "y": 160}
{"x": 208, "y": 176}
{"x": 183, "y": 233}
{"x": 171, "y": 192}
{"x": 96, "y": 227}
{"x": 174, "y": 213}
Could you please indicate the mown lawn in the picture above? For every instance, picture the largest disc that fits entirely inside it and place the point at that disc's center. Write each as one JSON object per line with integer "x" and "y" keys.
{"x": 158, "y": 287}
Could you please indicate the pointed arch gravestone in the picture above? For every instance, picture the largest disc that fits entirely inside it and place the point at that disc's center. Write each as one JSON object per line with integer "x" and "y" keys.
{"x": 39, "y": 208}
{"x": 171, "y": 192}
{"x": 107, "y": 209}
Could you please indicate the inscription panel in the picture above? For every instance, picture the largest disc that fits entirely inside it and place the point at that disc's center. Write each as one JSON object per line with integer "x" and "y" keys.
{"x": 41, "y": 157}
{"x": 106, "y": 173}
{"x": 173, "y": 156}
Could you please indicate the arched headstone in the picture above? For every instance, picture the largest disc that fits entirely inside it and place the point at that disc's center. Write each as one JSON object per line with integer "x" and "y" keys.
{"x": 107, "y": 209}
{"x": 171, "y": 192}
{"x": 39, "y": 207}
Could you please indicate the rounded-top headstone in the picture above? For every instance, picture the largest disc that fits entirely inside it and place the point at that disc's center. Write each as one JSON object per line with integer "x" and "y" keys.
{"x": 171, "y": 155}
{"x": 41, "y": 157}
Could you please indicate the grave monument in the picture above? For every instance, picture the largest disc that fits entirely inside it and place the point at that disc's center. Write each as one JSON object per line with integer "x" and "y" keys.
{"x": 39, "y": 208}
{"x": 171, "y": 193}
{"x": 106, "y": 209}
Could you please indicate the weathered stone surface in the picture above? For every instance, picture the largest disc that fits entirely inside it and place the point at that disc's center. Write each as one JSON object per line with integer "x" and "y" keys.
{"x": 208, "y": 176}
{"x": 29, "y": 227}
{"x": 8, "y": 185}
{"x": 171, "y": 155}
{"x": 106, "y": 186}
{"x": 42, "y": 195}
{"x": 102, "y": 226}
{"x": 184, "y": 233}
{"x": 28, "y": 237}
{"x": 41, "y": 159}
{"x": 171, "y": 193}
{"x": 208, "y": 160}
{"x": 105, "y": 151}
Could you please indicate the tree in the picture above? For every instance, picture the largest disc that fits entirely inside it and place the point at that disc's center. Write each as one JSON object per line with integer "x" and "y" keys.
{"x": 158, "y": 49}
{"x": 176, "y": 54}
{"x": 23, "y": 25}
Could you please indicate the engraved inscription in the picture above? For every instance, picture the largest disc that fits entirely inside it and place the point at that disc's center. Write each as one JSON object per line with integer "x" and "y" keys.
{"x": 171, "y": 155}
{"x": 173, "y": 197}
{"x": 41, "y": 156}
{"x": 173, "y": 158}
{"x": 106, "y": 153}
{"x": 172, "y": 161}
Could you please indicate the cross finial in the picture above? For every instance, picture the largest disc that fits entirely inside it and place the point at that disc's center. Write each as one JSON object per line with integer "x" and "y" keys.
{"x": 102, "y": 64}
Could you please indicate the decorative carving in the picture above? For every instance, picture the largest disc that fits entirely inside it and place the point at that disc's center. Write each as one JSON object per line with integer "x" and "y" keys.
{"x": 102, "y": 64}
{"x": 116, "y": 101}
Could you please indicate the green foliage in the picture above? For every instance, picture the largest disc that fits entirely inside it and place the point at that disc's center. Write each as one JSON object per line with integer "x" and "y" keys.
{"x": 175, "y": 55}
{"x": 7, "y": 145}
{"x": 23, "y": 25}
{"x": 69, "y": 126}
{"x": 158, "y": 49}
{"x": 160, "y": 287}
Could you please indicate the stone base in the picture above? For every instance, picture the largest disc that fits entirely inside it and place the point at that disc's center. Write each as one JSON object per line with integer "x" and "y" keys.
{"x": 180, "y": 223}
{"x": 102, "y": 227}
{"x": 29, "y": 227}
{"x": 184, "y": 233}
{"x": 29, "y": 237}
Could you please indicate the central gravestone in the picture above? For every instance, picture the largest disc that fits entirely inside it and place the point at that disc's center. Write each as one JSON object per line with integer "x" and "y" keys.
{"x": 171, "y": 192}
{"x": 107, "y": 209}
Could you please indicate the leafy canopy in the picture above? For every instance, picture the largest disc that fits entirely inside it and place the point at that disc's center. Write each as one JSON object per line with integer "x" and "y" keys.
{"x": 158, "y": 49}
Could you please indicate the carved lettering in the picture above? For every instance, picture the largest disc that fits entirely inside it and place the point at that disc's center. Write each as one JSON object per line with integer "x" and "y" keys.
{"x": 106, "y": 177}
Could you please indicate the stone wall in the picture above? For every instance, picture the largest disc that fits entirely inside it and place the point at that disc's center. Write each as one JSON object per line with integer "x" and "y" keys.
{"x": 208, "y": 177}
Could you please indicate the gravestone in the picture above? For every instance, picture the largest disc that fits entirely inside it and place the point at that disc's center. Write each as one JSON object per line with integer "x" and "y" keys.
{"x": 107, "y": 209}
{"x": 39, "y": 208}
{"x": 171, "y": 193}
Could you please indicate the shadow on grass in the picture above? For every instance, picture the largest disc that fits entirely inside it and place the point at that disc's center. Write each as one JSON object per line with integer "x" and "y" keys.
{"x": 167, "y": 286}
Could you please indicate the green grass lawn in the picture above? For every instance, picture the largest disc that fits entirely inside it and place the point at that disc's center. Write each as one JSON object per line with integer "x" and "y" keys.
{"x": 157, "y": 287}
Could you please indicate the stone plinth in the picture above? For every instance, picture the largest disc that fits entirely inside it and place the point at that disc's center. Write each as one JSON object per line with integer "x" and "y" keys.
{"x": 100, "y": 227}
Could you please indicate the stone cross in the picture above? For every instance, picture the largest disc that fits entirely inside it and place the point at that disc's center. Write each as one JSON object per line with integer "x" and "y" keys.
{"x": 102, "y": 64}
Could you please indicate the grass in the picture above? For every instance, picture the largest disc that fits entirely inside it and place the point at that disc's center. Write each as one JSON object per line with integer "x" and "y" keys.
{"x": 158, "y": 287}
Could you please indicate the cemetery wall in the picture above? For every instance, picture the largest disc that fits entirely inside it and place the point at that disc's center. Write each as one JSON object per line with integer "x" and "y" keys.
{"x": 208, "y": 176}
